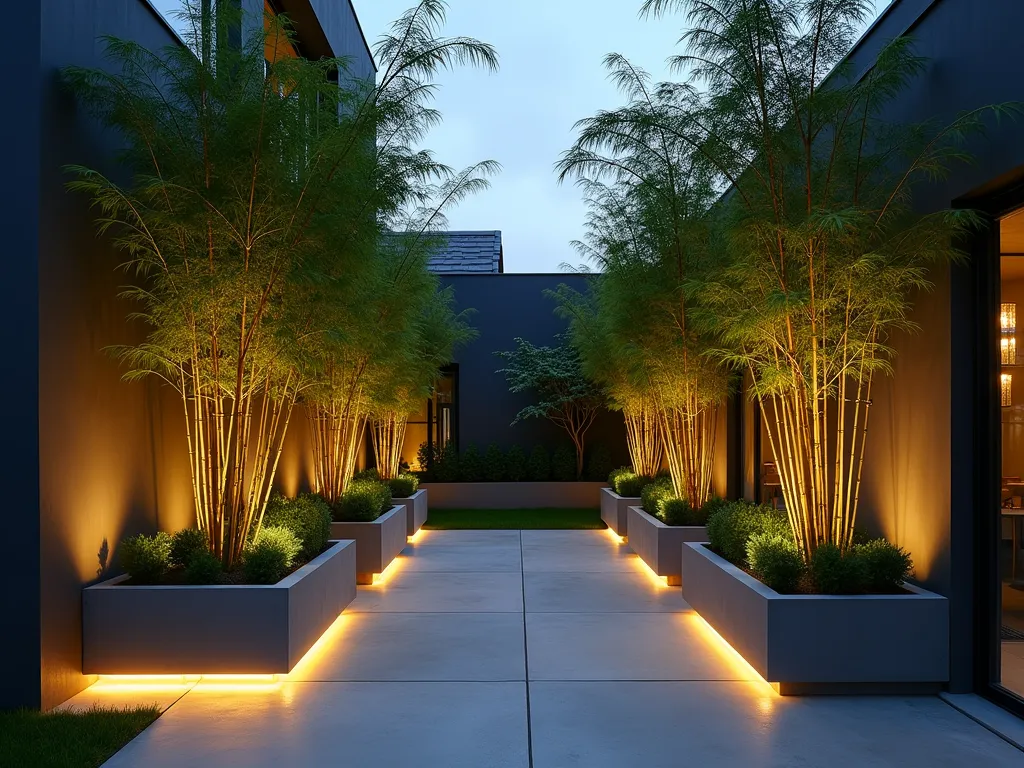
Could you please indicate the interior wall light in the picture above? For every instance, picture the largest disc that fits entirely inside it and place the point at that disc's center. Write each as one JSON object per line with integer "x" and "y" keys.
{"x": 1006, "y": 389}
{"x": 1008, "y": 333}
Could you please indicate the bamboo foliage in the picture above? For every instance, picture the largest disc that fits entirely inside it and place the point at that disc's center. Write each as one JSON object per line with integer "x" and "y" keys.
{"x": 648, "y": 231}
{"x": 821, "y": 248}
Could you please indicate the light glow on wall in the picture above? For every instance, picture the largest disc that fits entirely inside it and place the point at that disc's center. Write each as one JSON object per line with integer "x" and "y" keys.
{"x": 382, "y": 579}
{"x": 740, "y": 666}
{"x": 1006, "y": 389}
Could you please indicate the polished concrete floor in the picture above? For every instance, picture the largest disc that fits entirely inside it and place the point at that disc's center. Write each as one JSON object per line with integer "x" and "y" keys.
{"x": 533, "y": 648}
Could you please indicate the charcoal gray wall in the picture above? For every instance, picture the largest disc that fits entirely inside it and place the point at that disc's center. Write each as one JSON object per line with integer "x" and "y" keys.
{"x": 507, "y": 306}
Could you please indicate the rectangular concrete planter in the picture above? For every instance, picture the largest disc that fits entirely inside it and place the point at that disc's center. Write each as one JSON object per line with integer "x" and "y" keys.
{"x": 822, "y": 643}
{"x": 524, "y": 495}
{"x": 659, "y": 545}
{"x": 377, "y": 542}
{"x": 216, "y": 629}
{"x": 415, "y": 510}
{"x": 615, "y": 510}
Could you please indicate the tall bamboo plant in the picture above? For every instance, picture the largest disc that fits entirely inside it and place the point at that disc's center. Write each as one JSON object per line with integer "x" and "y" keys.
{"x": 648, "y": 231}
{"x": 824, "y": 247}
{"x": 242, "y": 178}
{"x": 370, "y": 322}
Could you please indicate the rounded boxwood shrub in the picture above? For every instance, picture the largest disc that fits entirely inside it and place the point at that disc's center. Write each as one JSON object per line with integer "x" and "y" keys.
{"x": 146, "y": 558}
{"x": 363, "y": 502}
{"x": 654, "y": 493}
{"x": 616, "y": 473}
{"x": 732, "y": 525}
{"x": 775, "y": 560}
{"x": 308, "y": 516}
{"x": 186, "y": 544}
{"x": 404, "y": 486}
{"x": 563, "y": 463}
{"x": 538, "y": 467}
{"x": 835, "y": 572}
{"x": 885, "y": 565}
{"x": 203, "y": 568}
{"x": 270, "y": 555}
{"x": 630, "y": 485}
{"x": 493, "y": 464}
{"x": 516, "y": 464}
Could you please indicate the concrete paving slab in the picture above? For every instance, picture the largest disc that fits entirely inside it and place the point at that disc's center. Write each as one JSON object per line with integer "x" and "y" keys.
{"x": 667, "y": 725}
{"x": 635, "y": 646}
{"x": 384, "y": 725}
{"x": 621, "y": 592}
{"x": 463, "y": 647}
{"x": 462, "y": 557}
{"x": 443, "y": 592}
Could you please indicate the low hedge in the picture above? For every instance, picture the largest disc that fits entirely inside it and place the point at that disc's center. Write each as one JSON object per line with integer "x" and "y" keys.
{"x": 363, "y": 502}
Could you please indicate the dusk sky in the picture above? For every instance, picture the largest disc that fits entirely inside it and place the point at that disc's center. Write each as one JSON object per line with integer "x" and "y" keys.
{"x": 551, "y": 76}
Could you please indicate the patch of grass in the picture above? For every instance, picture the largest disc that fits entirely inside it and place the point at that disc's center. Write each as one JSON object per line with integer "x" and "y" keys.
{"x": 83, "y": 739}
{"x": 514, "y": 519}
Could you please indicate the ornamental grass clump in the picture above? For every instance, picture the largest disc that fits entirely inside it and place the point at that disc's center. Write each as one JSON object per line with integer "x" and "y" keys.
{"x": 363, "y": 502}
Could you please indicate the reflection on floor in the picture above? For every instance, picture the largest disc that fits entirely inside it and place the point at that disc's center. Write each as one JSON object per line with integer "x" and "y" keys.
{"x": 1012, "y": 656}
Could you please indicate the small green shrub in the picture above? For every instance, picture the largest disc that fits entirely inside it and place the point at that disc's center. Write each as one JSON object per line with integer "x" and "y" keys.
{"x": 404, "y": 486}
{"x": 538, "y": 467}
{"x": 364, "y": 501}
{"x": 515, "y": 464}
{"x": 654, "y": 493}
{"x": 563, "y": 463}
{"x": 428, "y": 456}
{"x": 308, "y": 516}
{"x": 675, "y": 511}
{"x": 886, "y": 566}
{"x": 775, "y": 560}
{"x": 271, "y": 554}
{"x": 616, "y": 473}
{"x": 732, "y": 525}
{"x": 630, "y": 485}
{"x": 713, "y": 505}
{"x": 835, "y": 572}
{"x": 447, "y": 467}
{"x": 186, "y": 544}
{"x": 471, "y": 465}
{"x": 203, "y": 568}
{"x": 494, "y": 464}
{"x": 370, "y": 473}
{"x": 599, "y": 462}
{"x": 146, "y": 558}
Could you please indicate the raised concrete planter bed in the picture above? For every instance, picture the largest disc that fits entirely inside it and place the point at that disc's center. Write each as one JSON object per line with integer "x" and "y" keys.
{"x": 415, "y": 510}
{"x": 377, "y": 542}
{"x": 216, "y": 629}
{"x": 822, "y": 643}
{"x": 525, "y": 495}
{"x": 659, "y": 545}
{"x": 615, "y": 510}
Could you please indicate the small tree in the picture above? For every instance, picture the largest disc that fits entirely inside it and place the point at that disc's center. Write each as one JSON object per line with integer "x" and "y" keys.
{"x": 565, "y": 396}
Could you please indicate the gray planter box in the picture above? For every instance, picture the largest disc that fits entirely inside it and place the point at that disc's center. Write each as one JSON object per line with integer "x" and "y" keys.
{"x": 415, "y": 510}
{"x": 822, "y": 643}
{"x": 216, "y": 629}
{"x": 615, "y": 510}
{"x": 525, "y": 495}
{"x": 659, "y": 545}
{"x": 377, "y": 542}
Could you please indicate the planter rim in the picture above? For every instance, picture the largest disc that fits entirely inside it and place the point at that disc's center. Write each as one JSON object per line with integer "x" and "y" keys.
{"x": 395, "y": 509}
{"x": 660, "y": 524}
{"x": 420, "y": 490}
{"x": 284, "y": 583}
{"x": 915, "y": 592}
{"x": 608, "y": 490}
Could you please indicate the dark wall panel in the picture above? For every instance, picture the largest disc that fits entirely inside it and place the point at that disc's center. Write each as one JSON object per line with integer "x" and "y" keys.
{"x": 19, "y": 329}
{"x": 507, "y": 306}
{"x": 112, "y": 455}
